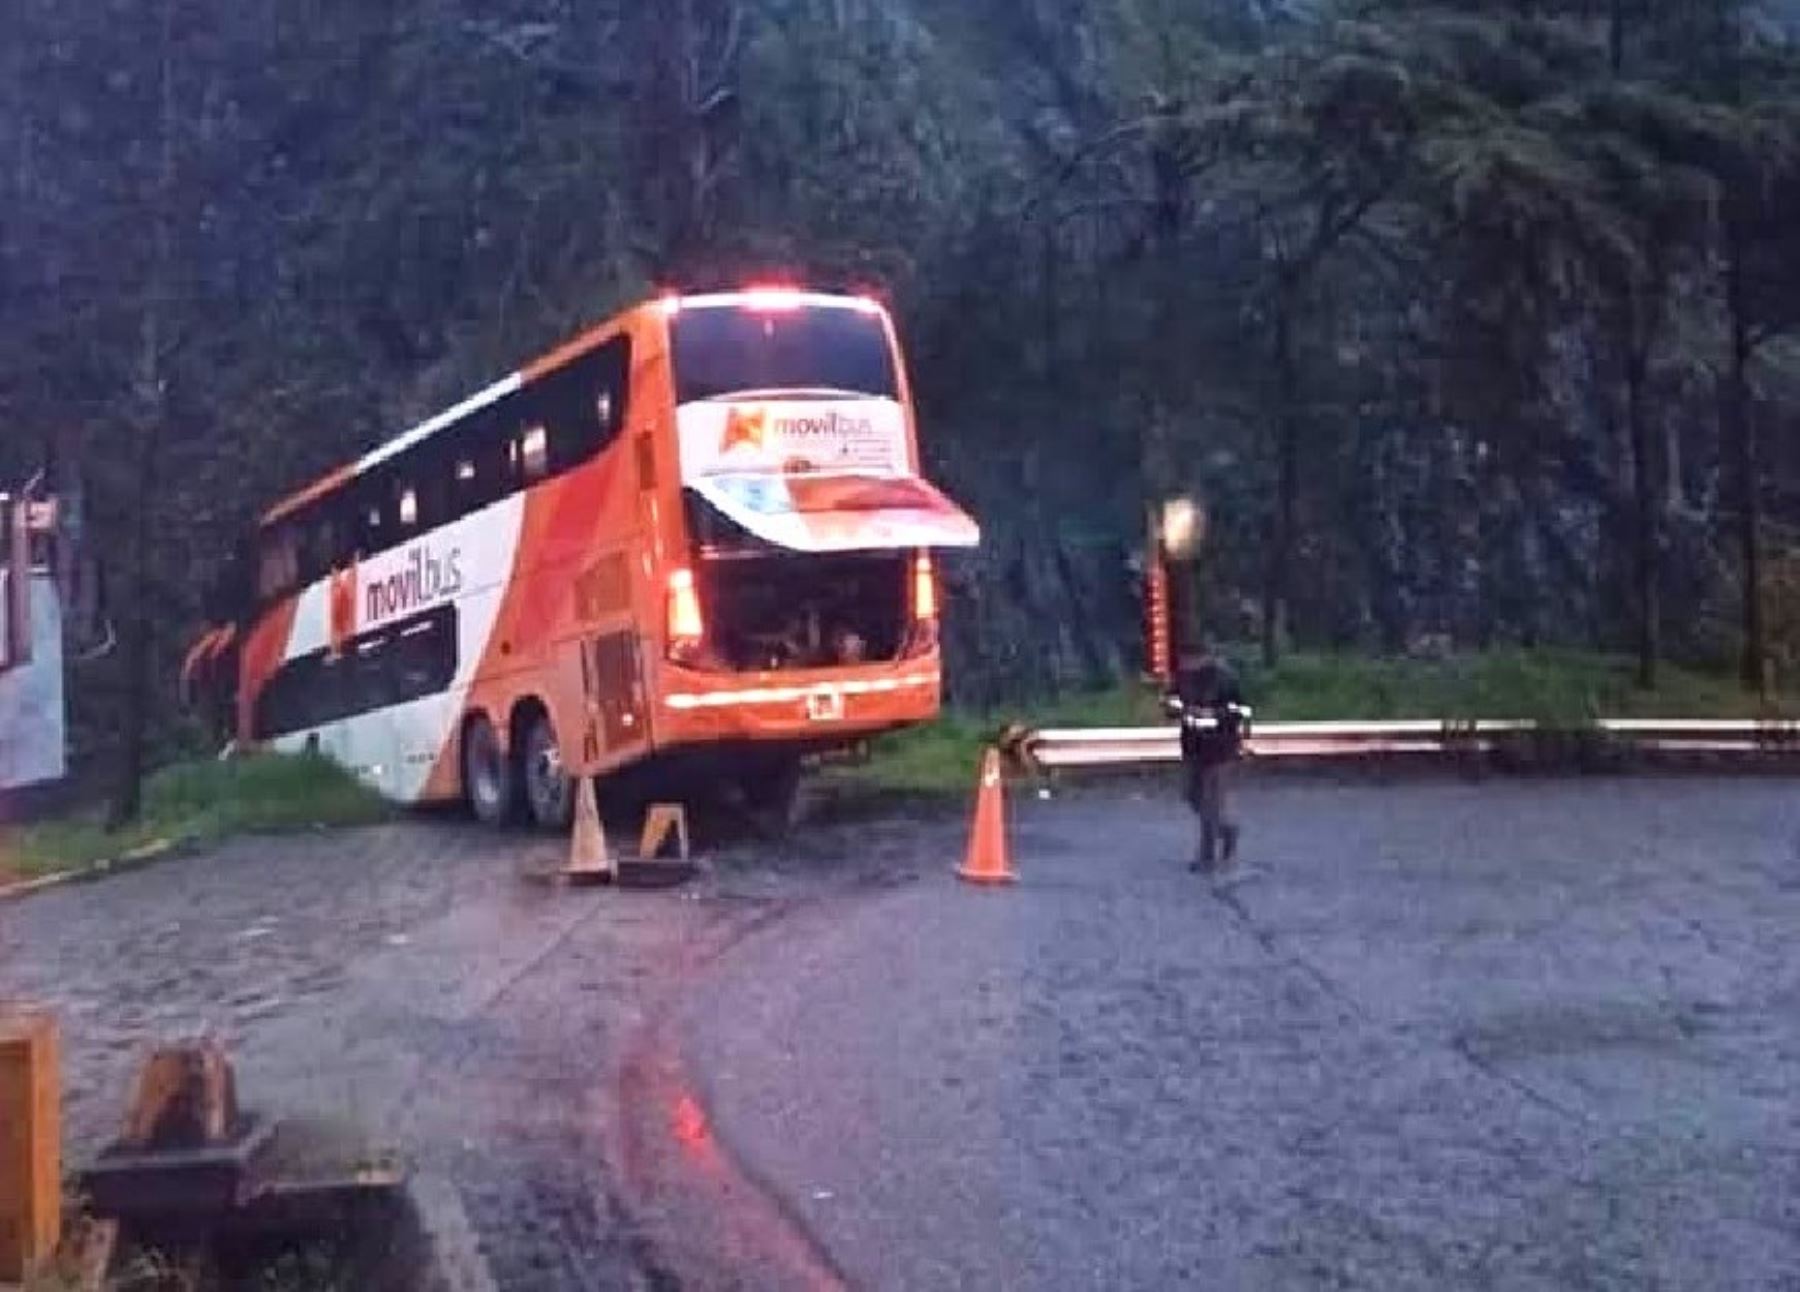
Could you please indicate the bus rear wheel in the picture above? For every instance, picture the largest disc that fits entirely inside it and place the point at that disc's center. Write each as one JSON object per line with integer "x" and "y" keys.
{"x": 486, "y": 774}
{"x": 549, "y": 791}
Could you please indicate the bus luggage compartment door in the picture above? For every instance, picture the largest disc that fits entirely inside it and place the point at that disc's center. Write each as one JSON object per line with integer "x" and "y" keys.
{"x": 613, "y": 677}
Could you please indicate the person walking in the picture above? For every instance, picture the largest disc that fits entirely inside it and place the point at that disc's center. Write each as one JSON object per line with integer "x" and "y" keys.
{"x": 1209, "y": 701}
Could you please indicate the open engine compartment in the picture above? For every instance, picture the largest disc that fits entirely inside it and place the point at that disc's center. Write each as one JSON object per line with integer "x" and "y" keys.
{"x": 773, "y": 611}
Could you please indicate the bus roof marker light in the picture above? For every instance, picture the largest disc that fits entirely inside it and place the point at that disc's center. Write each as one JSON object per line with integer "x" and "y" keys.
{"x": 773, "y": 300}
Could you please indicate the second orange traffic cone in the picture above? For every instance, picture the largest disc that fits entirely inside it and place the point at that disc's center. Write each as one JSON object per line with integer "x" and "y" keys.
{"x": 589, "y": 862}
{"x": 987, "y": 861}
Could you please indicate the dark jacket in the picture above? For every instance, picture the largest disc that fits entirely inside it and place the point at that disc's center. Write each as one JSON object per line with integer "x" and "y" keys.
{"x": 1209, "y": 690}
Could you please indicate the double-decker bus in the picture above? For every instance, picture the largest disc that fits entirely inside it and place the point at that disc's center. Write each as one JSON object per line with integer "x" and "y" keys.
{"x": 696, "y": 538}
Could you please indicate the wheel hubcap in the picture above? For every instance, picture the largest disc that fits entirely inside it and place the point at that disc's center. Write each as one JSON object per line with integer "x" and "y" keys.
{"x": 549, "y": 785}
{"x": 484, "y": 773}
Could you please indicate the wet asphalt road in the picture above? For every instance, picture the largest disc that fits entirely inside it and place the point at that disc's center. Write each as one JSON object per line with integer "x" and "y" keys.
{"x": 421, "y": 987}
{"x": 1513, "y": 1035}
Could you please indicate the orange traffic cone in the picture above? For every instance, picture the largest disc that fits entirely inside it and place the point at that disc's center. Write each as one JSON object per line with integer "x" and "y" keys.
{"x": 589, "y": 862}
{"x": 987, "y": 861}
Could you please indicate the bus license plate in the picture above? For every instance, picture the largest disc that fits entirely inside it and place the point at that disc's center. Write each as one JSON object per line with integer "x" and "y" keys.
{"x": 825, "y": 706}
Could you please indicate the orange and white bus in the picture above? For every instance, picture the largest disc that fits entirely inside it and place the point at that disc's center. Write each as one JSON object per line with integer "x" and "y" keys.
{"x": 697, "y": 537}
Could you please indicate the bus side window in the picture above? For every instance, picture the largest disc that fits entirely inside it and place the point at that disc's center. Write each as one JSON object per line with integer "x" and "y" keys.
{"x": 346, "y": 536}
{"x": 533, "y": 452}
{"x": 479, "y": 461}
{"x": 584, "y": 404}
{"x": 324, "y": 541}
{"x": 406, "y": 508}
{"x": 278, "y": 569}
{"x": 428, "y": 470}
{"x": 611, "y": 387}
{"x": 476, "y": 479}
{"x": 482, "y": 477}
{"x": 374, "y": 519}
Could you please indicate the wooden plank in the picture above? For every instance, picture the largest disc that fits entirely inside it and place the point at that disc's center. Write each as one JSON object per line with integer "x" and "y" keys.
{"x": 30, "y": 1144}
{"x": 185, "y": 1098}
{"x": 663, "y": 821}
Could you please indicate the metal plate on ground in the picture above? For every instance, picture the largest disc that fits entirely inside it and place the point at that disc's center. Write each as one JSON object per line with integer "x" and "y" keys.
{"x": 179, "y": 1182}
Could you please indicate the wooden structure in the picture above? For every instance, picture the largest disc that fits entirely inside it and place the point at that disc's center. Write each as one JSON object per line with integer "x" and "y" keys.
{"x": 30, "y": 1145}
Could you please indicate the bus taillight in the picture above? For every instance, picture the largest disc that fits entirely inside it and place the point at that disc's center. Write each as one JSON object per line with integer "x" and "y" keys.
{"x": 924, "y": 590}
{"x": 922, "y": 637}
{"x": 687, "y": 626}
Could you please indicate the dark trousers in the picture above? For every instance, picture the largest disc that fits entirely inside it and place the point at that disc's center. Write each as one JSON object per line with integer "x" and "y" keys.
{"x": 1208, "y": 785}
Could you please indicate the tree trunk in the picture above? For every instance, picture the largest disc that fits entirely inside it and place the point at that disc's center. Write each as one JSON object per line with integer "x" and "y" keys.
{"x": 1741, "y": 444}
{"x": 1674, "y": 499}
{"x": 1287, "y": 480}
{"x": 149, "y": 414}
{"x": 128, "y": 794}
{"x": 1168, "y": 221}
{"x": 1645, "y": 504}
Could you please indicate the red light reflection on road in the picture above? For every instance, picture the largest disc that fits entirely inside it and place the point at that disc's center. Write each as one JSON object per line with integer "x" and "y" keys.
{"x": 692, "y": 1131}
{"x": 672, "y": 1153}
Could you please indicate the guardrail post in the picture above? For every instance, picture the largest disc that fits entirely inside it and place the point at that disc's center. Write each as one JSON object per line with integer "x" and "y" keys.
{"x": 30, "y": 1145}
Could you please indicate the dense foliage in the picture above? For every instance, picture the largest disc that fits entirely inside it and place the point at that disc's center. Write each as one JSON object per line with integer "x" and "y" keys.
{"x": 1471, "y": 321}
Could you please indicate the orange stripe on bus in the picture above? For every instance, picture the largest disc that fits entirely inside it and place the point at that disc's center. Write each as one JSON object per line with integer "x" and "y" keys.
{"x": 570, "y": 351}
{"x": 200, "y": 650}
{"x": 265, "y": 648}
{"x": 312, "y": 493}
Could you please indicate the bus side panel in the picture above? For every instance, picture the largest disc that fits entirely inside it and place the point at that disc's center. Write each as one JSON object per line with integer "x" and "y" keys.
{"x": 480, "y": 549}
{"x": 531, "y": 653}
{"x": 398, "y": 749}
{"x": 574, "y": 598}
{"x": 393, "y": 750}
{"x": 620, "y": 653}
{"x": 484, "y": 549}
{"x": 664, "y": 527}
{"x": 265, "y": 649}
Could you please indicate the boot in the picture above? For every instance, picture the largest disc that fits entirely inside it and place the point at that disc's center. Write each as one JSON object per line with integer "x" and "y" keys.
{"x": 1231, "y": 845}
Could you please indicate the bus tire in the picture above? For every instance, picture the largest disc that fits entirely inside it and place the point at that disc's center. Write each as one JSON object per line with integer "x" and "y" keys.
{"x": 487, "y": 776}
{"x": 549, "y": 791}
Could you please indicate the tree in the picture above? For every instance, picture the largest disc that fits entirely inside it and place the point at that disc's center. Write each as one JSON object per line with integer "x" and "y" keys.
{"x": 687, "y": 97}
{"x": 1407, "y": 289}
{"x": 1633, "y": 138}
{"x": 1754, "y": 155}
{"x": 135, "y": 258}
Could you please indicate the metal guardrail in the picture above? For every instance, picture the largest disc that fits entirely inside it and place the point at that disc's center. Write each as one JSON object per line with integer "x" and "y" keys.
{"x": 1129, "y": 746}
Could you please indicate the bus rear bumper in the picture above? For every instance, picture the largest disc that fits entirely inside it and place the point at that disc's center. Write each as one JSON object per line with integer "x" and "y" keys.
{"x": 816, "y": 709}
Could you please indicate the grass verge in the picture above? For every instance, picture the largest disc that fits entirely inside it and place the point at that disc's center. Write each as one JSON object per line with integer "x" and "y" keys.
{"x": 199, "y": 803}
{"x": 1560, "y": 689}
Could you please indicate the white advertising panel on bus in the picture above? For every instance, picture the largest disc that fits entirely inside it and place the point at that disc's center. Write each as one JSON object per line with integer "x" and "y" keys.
{"x": 817, "y": 476}
{"x": 793, "y": 437}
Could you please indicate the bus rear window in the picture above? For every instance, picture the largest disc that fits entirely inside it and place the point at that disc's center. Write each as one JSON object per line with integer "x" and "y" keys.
{"x": 727, "y": 350}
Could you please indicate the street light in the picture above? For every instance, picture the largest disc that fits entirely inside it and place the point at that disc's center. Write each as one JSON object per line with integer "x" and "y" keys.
{"x": 1183, "y": 528}
{"x": 1177, "y": 530}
